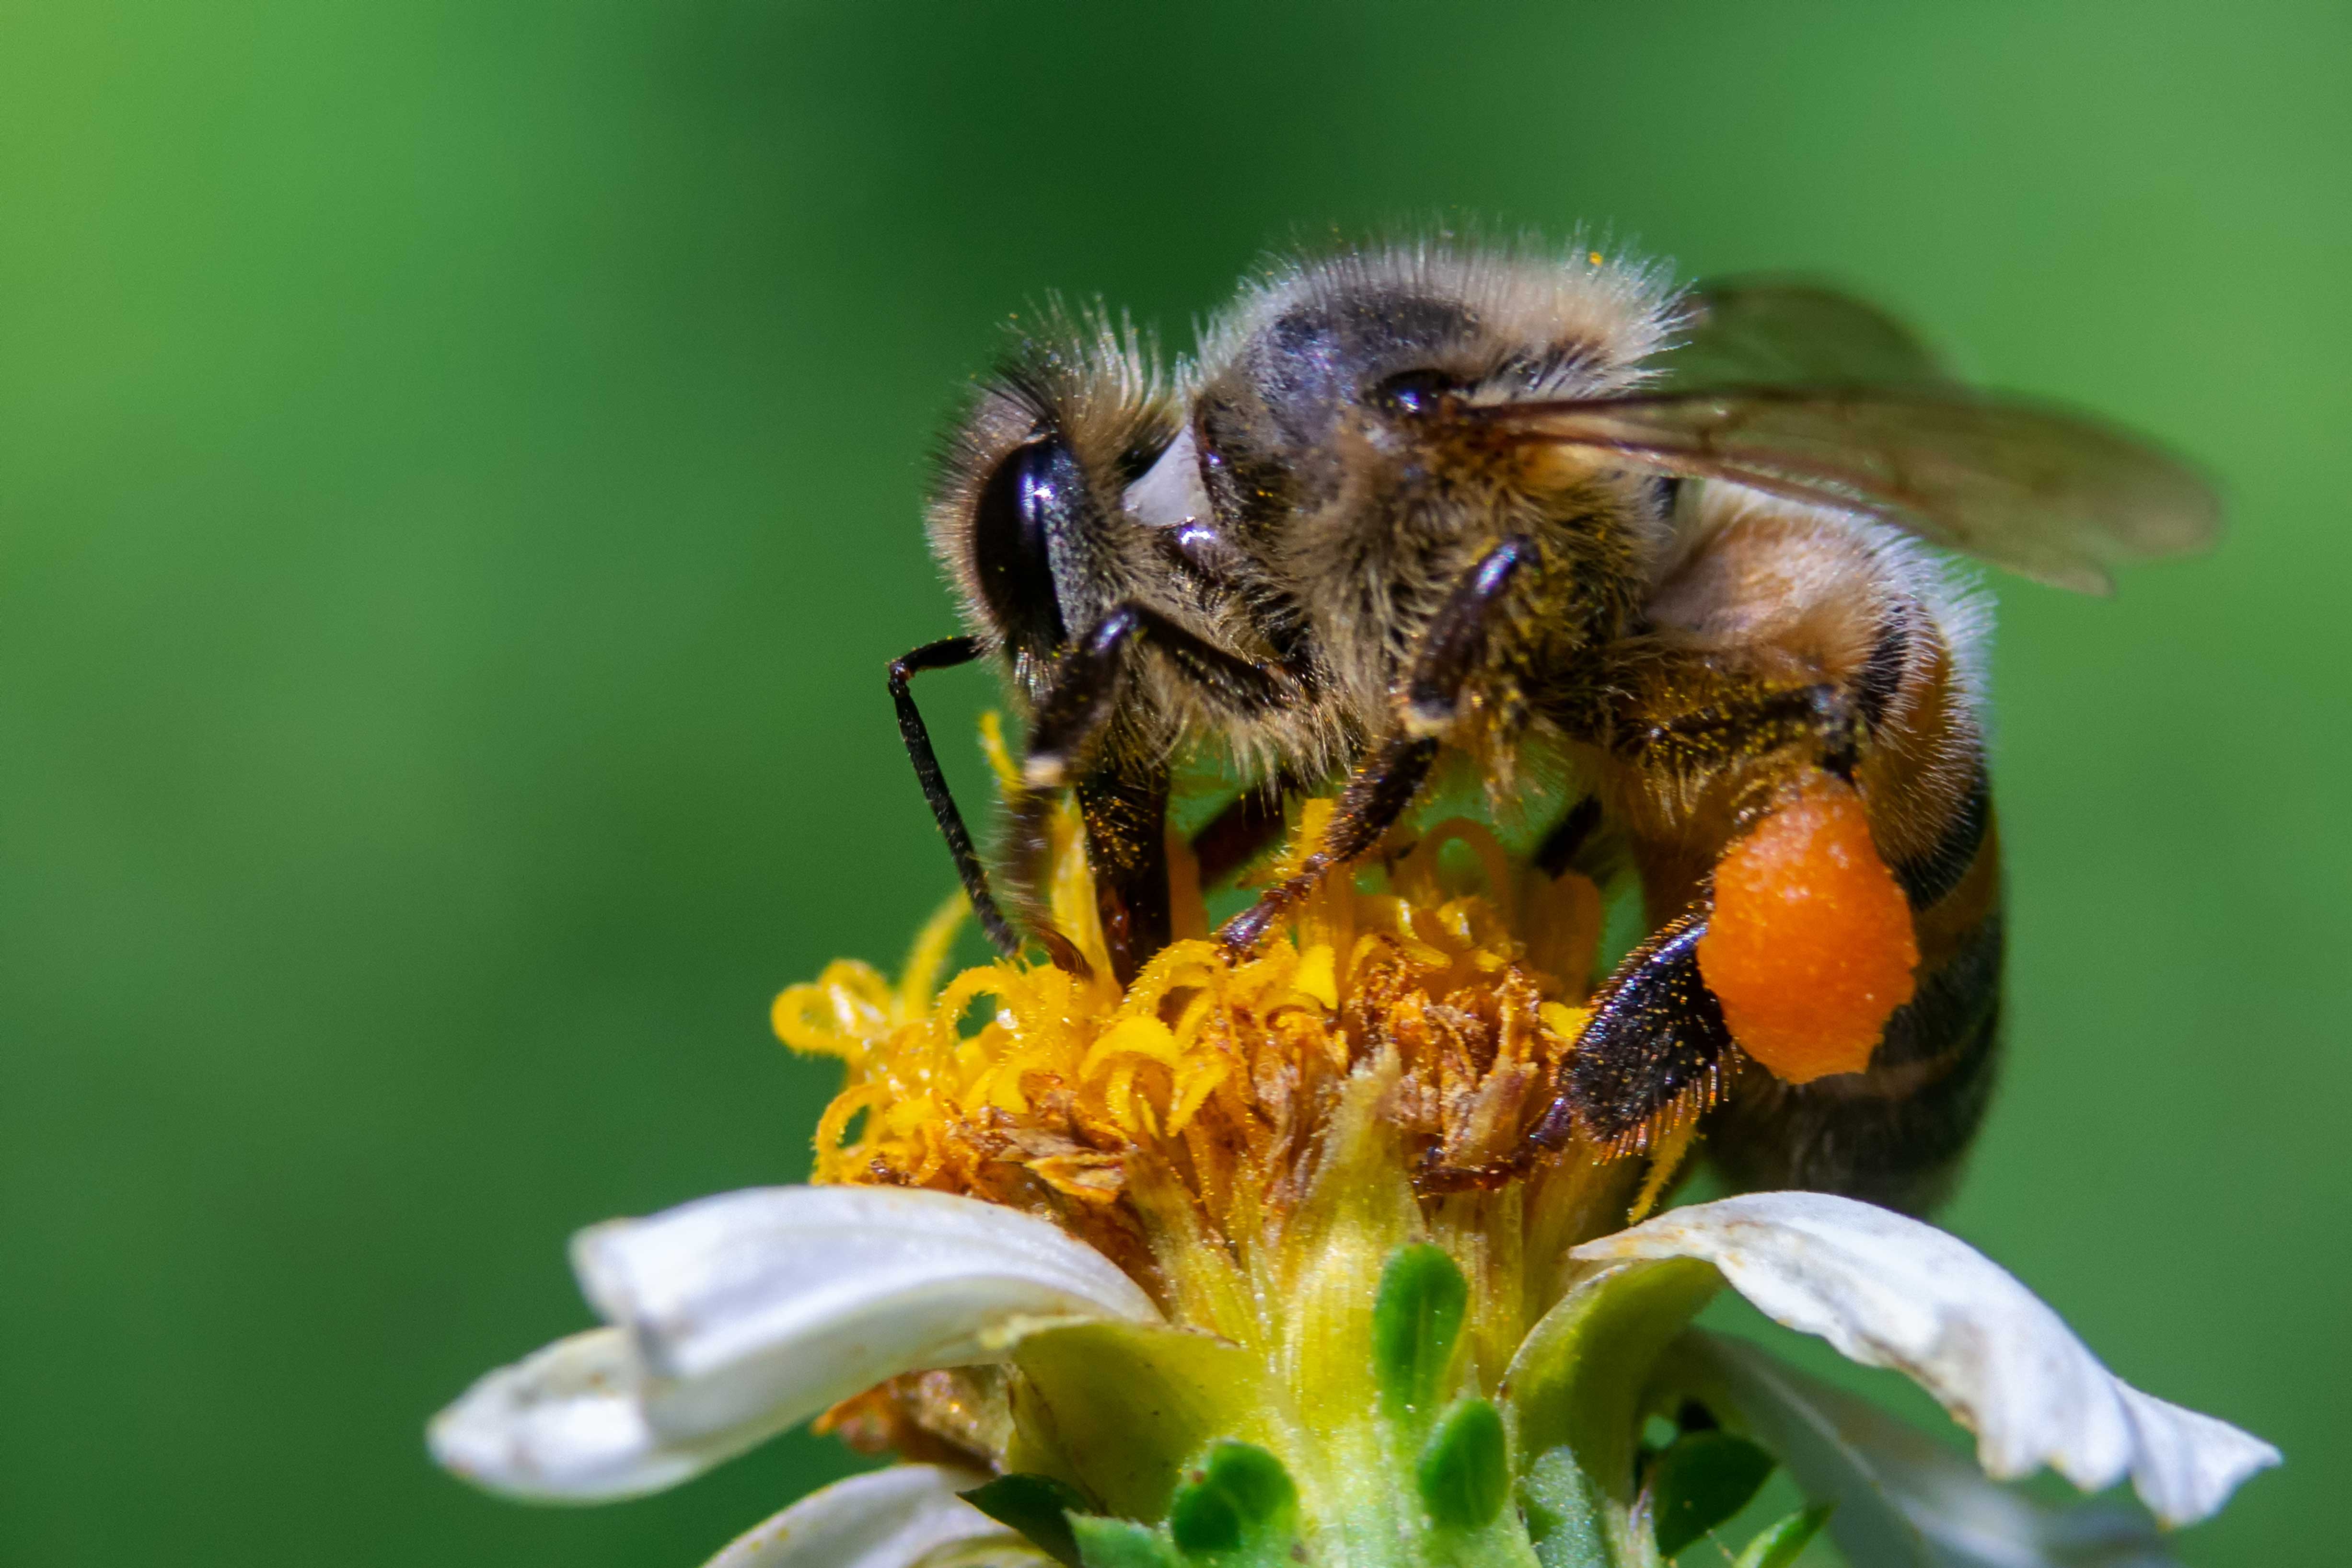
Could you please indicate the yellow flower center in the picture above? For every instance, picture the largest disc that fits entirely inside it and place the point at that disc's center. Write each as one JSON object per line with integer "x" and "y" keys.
{"x": 1453, "y": 969}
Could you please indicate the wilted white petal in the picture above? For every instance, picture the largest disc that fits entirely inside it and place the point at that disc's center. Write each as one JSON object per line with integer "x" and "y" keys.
{"x": 884, "y": 1519}
{"x": 1904, "y": 1499}
{"x": 1888, "y": 1291}
{"x": 767, "y": 1306}
{"x": 565, "y": 1425}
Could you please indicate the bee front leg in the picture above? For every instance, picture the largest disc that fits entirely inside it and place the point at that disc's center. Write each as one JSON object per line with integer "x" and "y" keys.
{"x": 1452, "y": 652}
{"x": 946, "y": 654}
{"x": 1124, "y": 806}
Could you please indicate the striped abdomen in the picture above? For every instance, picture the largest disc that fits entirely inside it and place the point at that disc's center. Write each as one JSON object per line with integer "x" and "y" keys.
{"x": 1793, "y": 642}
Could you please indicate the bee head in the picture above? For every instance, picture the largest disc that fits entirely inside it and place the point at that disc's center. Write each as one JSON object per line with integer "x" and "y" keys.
{"x": 1025, "y": 511}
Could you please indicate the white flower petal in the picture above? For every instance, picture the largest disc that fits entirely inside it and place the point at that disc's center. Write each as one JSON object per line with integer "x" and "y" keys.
{"x": 564, "y": 1426}
{"x": 1888, "y": 1291}
{"x": 883, "y": 1518}
{"x": 739, "y": 1316}
{"x": 769, "y": 1305}
{"x": 1904, "y": 1499}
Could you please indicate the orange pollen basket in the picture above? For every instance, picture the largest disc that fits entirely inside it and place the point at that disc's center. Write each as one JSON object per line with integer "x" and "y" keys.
{"x": 1811, "y": 947}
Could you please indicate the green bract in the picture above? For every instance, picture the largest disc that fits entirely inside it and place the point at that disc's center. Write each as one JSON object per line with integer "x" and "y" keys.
{"x": 1415, "y": 1320}
{"x": 1162, "y": 1447}
{"x": 1548, "y": 1472}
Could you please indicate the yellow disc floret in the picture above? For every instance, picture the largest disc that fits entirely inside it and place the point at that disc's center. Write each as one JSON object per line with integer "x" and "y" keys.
{"x": 1024, "y": 1084}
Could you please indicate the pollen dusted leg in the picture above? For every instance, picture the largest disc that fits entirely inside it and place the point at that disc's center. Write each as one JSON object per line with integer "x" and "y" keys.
{"x": 1453, "y": 652}
{"x": 1656, "y": 1052}
{"x": 1125, "y": 809}
{"x": 1817, "y": 720}
{"x": 1455, "y": 646}
{"x": 1376, "y": 795}
{"x": 1125, "y": 814}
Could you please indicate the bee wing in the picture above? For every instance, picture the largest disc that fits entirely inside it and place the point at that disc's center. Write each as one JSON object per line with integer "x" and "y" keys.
{"x": 2050, "y": 494}
{"x": 1786, "y": 331}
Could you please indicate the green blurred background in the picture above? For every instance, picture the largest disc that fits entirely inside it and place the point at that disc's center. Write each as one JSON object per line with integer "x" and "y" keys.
{"x": 458, "y": 469}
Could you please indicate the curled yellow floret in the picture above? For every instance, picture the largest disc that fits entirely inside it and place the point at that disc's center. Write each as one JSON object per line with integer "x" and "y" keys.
{"x": 1022, "y": 1084}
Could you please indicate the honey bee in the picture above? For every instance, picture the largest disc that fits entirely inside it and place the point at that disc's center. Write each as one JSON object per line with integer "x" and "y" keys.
{"x": 1422, "y": 498}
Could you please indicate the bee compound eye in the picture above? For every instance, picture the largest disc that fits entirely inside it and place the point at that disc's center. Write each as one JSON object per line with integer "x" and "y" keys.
{"x": 1415, "y": 392}
{"x": 1036, "y": 489}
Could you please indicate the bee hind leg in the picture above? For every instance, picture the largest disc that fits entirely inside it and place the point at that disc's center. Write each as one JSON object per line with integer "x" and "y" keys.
{"x": 1656, "y": 1052}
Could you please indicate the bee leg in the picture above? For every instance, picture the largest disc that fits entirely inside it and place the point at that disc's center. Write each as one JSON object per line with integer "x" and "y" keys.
{"x": 1376, "y": 795}
{"x": 1125, "y": 809}
{"x": 1821, "y": 718}
{"x": 946, "y": 654}
{"x": 1656, "y": 1051}
{"x": 1236, "y": 835}
{"x": 1126, "y": 813}
{"x": 1452, "y": 650}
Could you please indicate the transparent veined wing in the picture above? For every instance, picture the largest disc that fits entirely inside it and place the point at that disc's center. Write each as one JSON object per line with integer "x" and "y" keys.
{"x": 2049, "y": 494}
{"x": 1791, "y": 332}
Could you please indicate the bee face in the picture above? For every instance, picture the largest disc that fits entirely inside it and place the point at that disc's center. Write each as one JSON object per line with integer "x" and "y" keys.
{"x": 1025, "y": 511}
